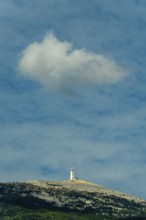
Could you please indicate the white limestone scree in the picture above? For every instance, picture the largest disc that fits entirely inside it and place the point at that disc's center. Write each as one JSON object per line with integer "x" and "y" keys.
{"x": 72, "y": 175}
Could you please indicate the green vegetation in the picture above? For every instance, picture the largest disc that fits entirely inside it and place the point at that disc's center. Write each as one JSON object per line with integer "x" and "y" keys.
{"x": 11, "y": 212}
{"x": 21, "y": 201}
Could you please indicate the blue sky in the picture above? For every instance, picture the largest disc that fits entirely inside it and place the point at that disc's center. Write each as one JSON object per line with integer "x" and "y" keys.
{"x": 72, "y": 91}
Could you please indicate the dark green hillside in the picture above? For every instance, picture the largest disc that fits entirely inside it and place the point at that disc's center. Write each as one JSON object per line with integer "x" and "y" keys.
{"x": 77, "y": 200}
{"x": 11, "y": 212}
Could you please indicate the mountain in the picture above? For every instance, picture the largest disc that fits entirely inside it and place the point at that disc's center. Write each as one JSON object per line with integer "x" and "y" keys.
{"x": 77, "y": 196}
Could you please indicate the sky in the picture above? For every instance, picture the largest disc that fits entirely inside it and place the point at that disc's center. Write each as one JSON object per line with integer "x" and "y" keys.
{"x": 73, "y": 91}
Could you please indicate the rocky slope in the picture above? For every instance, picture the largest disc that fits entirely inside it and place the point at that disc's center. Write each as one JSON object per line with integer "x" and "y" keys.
{"x": 72, "y": 196}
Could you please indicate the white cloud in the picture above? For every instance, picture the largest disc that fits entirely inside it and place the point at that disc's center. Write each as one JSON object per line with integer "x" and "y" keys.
{"x": 57, "y": 65}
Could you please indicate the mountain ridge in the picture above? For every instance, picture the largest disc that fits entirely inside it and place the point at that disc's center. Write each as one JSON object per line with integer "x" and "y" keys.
{"x": 78, "y": 196}
{"x": 85, "y": 185}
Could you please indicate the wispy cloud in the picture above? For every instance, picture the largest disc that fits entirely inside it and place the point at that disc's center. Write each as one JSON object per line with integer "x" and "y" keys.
{"x": 57, "y": 65}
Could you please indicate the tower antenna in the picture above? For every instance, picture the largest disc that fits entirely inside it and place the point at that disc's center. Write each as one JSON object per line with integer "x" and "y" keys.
{"x": 72, "y": 175}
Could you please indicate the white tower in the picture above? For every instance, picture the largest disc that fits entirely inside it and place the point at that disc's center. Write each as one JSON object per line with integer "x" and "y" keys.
{"x": 72, "y": 175}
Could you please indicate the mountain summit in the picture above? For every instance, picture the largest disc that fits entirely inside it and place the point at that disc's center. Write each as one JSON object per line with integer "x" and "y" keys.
{"x": 72, "y": 196}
